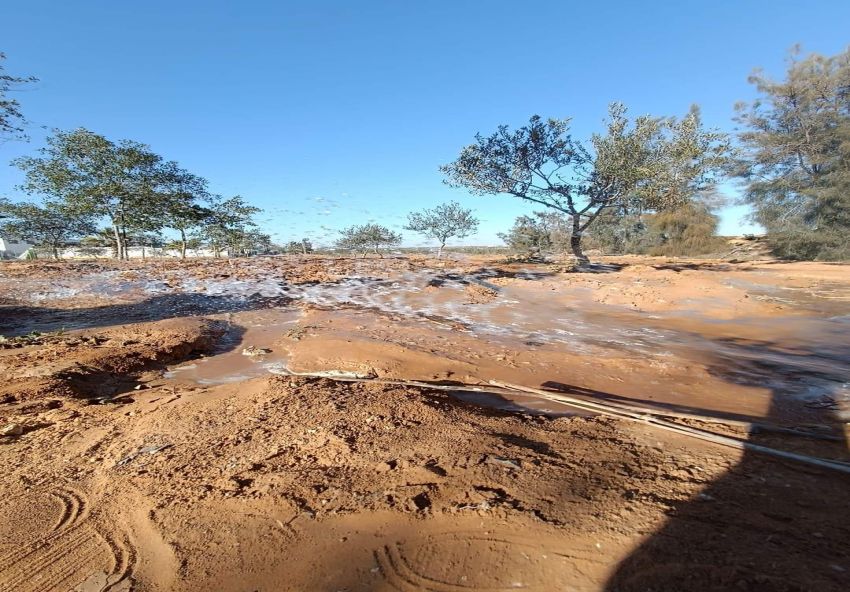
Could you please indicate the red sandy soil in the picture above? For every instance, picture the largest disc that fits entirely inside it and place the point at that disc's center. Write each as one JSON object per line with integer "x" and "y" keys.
{"x": 118, "y": 477}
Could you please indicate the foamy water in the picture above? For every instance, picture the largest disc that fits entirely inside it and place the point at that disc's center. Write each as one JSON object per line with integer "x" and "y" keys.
{"x": 816, "y": 365}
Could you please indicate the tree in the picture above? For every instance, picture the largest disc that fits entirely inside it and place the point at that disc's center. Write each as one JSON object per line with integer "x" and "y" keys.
{"x": 181, "y": 246}
{"x": 367, "y": 236}
{"x": 227, "y": 223}
{"x": 249, "y": 241}
{"x": 95, "y": 177}
{"x": 448, "y": 220}
{"x": 12, "y": 121}
{"x": 795, "y": 154}
{"x": 51, "y": 226}
{"x": 536, "y": 234}
{"x": 303, "y": 247}
{"x": 649, "y": 164}
{"x": 181, "y": 209}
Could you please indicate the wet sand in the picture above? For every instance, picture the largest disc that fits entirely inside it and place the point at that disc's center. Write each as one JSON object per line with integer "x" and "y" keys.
{"x": 206, "y": 467}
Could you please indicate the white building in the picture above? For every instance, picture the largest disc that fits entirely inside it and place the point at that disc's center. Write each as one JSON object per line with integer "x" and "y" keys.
{"x": 132, "y": 253}
{"x": 12, "y": 248}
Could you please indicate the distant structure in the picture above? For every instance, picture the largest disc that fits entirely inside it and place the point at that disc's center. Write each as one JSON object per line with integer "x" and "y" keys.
{"x": 79, "y": 252}
{"x": 13, "y": 248}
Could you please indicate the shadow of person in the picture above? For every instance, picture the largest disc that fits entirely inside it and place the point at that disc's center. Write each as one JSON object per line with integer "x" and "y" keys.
{"x": 767, "y": 524}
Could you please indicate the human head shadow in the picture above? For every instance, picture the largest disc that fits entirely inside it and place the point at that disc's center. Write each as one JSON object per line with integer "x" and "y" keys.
{"x": 766, "y": 524}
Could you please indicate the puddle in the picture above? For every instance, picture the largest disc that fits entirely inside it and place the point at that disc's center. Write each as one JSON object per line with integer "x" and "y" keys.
{"x": 260, "y": 329}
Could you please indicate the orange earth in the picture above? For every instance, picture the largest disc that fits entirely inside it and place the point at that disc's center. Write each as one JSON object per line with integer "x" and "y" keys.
{"x": 158, "y": 432}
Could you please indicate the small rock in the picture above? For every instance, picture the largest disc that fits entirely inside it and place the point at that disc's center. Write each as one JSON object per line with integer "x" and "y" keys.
{"x": 491, "y": 459}
{"x": 255, "y": 351}
{"x": 12, "y": 429}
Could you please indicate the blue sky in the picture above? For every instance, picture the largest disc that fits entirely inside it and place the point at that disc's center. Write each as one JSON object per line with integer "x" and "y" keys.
{"x": 332, "y": 113}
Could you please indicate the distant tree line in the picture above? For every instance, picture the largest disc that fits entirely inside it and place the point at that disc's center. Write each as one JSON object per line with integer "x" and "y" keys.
{"x": 645, "y": 184}
{"x": 83, "y": 178}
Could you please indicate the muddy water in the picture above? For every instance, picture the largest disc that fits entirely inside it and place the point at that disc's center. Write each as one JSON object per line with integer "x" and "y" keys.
{"x": 804, "y": 356}
{"x": 247, "y": 351}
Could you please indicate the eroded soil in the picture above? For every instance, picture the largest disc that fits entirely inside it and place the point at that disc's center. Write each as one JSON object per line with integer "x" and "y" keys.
{"x": 156, "y": 443}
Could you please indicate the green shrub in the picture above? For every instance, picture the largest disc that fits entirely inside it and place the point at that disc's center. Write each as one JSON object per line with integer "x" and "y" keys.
{"x": 825, "y": 245}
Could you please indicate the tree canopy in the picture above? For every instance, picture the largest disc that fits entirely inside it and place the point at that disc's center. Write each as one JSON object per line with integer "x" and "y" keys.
{"x": 12, "y": 119}
{"x": 795, "y": 155}
{"x": 50, "y": 226}
{"x": 93, "y": 176}
{"x": 366, "y": 237}
{"x": 448, "y": 220}
{"x": 650, "y": 163}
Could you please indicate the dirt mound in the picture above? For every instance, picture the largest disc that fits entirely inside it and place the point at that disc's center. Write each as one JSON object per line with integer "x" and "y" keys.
{"x": 97, "y": 364}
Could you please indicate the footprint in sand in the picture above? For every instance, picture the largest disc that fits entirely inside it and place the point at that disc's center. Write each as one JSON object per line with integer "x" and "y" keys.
{"x": 50, "y": 544}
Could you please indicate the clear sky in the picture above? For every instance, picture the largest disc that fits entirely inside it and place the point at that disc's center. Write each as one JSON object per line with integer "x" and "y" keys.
{"x": 331, "y": 113}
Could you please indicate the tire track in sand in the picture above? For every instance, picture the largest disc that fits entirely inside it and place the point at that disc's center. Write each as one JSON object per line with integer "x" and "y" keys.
{"x": 504, "y": 561}
{"x": 72, "y": 550}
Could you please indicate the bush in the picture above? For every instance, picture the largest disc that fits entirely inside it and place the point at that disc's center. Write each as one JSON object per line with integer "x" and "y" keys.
{"x": 687, "y": 231}
{"x": 828, "y": 245}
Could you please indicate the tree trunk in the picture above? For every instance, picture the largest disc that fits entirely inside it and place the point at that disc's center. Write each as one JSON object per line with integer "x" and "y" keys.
{"x": 56, "y": 252}
{"x": 440, "y": 250}
{"x": 182, "y": 244}
{"x": 125, "y": 251}
{"x": 575, "y": 241}
{"x": 119, "y": 246}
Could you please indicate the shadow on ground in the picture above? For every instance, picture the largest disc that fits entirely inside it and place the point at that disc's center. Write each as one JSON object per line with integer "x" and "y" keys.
{"x": 765, "y": 525}
{"x": 18, "y": 320}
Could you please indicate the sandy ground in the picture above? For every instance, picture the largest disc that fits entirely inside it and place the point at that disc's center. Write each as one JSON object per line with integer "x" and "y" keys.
{"x": 152, "y": 443}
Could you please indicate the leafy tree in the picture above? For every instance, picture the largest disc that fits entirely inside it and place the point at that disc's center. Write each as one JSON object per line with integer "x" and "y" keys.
{"x": 182, "y": 246}
{"x": 102, "y": 237}
{"x": 228, "y": 223}
{"x": 303, "y": 247}
{"x": 448, "y": 220}
{"x": 795, "y": 155}
{"x": 249, "y": 241}
{"x": 367, "y": 237}
{"x": 182, "y": 194}
{"x": 51, "y": 226}
{"x": 95, "y": 177}
{"x": 11, "y": 119}
{"x": 648, "y": 164}
{"x": 537, "y": 234}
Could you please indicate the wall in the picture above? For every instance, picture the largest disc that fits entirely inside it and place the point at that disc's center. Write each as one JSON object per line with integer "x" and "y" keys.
{"x": 11, "y": 248}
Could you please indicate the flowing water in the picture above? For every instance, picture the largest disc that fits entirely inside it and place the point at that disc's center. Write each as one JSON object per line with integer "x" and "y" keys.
{"x": 804, "y": 356}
